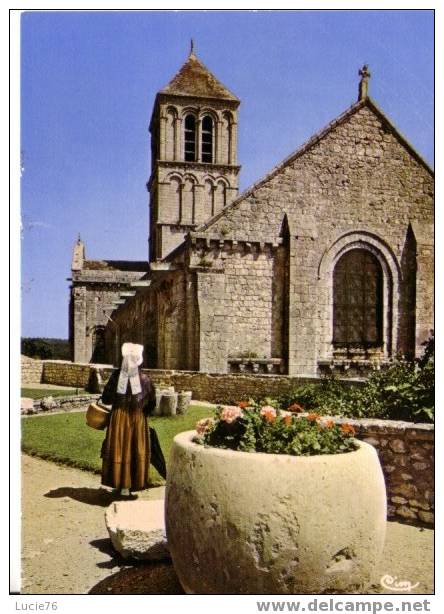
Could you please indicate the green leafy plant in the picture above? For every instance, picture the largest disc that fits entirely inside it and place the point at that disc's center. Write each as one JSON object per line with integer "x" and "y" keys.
{"x": 403, "y": 390}
{"x": 252, "y": 428}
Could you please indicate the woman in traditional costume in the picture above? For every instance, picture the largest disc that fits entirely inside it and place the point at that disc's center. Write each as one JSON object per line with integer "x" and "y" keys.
{"x": 126, "y": 449}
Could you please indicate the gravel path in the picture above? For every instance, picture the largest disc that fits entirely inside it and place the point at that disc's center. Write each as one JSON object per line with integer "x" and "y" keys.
{"x": 65, "y": 543}
{"x": 66, "y": 549}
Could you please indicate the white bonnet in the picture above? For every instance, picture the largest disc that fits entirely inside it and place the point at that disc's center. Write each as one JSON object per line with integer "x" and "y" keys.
{"x": 134, "y": 350}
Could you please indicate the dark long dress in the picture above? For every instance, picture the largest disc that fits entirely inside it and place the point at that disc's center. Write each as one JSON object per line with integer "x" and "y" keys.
{"x": 126, "y": 449}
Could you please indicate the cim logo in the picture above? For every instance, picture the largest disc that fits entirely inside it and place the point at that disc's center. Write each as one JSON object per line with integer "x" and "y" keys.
{"x": 400, "y": 586}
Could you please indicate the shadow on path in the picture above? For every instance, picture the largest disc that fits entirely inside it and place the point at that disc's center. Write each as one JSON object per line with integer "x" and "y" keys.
{"x": 91, "y": 496}
{"x": 156, "y": 578}
{"x": 106, "y": 547}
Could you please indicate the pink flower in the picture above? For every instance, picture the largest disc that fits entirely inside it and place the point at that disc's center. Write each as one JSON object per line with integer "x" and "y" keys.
{"x": 268, "y": 412}
{"x": 202, "y": 426}
{"x": 230, "y": 413}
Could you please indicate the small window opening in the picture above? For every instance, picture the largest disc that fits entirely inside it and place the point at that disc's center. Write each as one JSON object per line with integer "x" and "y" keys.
{"x": 207, "y": 139}
{"x": 190, "y": 138}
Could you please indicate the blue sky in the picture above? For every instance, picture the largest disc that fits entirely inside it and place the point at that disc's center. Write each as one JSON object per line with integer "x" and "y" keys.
{"x": 88, "y": 82}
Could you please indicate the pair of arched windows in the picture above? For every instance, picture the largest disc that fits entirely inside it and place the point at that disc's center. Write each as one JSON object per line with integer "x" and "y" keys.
{"x": 206, "y": 137}
{"x": 358, "y": 301}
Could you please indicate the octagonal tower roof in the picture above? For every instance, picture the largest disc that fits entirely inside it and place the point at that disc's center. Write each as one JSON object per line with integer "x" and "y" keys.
{"x": 194, "y": 79}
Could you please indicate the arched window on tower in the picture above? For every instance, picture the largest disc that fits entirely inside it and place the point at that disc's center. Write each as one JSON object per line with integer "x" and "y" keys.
{"x": 207, "y": 139}
{"x": 190, "y": 138}
{"x": 357, "y": 300}
{"x": 220, "y": 196}
{"x": 209, "y": 199}
{"x": 188, "y": 201}
{"x": 170, "y": 134}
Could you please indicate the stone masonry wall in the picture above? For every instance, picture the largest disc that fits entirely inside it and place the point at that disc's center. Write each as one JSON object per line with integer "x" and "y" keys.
{"x": 241, "y": 302}
{"x": 407, "y": 455}
{"x": 70, "y": 374}
{"x": 31, "y": 370}
{"x": 214, "y": 388}
{"x": 94, "y": 288}
{"x": 355, "y": 185}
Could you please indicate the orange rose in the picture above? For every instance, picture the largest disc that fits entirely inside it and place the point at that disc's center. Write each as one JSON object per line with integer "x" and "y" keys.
{"x": 269, "y": 413}
{"x": 243, "y": 404}
{"x": 347, "y": 429}
{"x": 313, "y": 417}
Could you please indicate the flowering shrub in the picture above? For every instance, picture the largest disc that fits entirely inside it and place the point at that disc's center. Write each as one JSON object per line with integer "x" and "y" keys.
{"x": 255, "y": 428}
{"x": 404, "y": 390}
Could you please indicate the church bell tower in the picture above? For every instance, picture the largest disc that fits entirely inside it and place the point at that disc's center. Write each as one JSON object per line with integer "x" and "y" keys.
{"x": 194, "y": 171}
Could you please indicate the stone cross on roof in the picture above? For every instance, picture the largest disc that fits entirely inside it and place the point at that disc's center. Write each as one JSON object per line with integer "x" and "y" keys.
{"x": 363, "y": 83}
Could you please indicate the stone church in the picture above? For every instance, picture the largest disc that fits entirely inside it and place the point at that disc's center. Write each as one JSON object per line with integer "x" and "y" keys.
{"x": 325, "y": 264}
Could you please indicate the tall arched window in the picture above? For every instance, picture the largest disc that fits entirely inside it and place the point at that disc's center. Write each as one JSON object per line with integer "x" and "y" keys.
{"x": 190, "y": 138}
{"x": 170, "y": 134}
{"x": 357, "y": 300}
{"x": 227, "y": 137}
{"x": 209, "y": 198}
{"x": 207, "y": 139}
{"x": 220, "y": 196}
{"x": 188, "y": 201}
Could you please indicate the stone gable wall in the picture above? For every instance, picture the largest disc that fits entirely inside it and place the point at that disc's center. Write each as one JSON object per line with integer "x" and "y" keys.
{"x": 358, "y": 187}
{"x": 357, "y": 175}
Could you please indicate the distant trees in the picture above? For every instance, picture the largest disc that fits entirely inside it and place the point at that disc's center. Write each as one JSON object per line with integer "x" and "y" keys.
{"x": 45, "y": 348}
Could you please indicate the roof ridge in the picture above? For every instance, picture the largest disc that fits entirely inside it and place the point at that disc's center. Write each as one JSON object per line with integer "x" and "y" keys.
{"x": 316, "y": 137}
{"x": 313, "y": 140}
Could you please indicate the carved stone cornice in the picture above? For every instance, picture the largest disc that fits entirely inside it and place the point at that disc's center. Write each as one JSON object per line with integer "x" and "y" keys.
{"x": 220, "y": 103}
{"x": 180, "y": 165}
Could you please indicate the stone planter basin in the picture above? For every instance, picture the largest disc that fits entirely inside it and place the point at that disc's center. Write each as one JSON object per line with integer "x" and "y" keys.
{"x": 252, "y": 523}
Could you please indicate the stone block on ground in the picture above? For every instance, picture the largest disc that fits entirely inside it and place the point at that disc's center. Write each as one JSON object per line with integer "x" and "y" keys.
{"x": 168, "y": 403}
{"x": 137, "y": 529}
{"x": 159, "y": 393}
{"x": 26, "y": 405}
{"x": 183, "y": 401}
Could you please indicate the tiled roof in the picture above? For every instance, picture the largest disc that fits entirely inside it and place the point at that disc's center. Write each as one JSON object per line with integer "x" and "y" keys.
{"x": 194, "y": 79}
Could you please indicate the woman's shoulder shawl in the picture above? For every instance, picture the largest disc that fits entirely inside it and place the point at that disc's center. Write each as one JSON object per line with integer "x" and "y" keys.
{"x": 110, "y": 388}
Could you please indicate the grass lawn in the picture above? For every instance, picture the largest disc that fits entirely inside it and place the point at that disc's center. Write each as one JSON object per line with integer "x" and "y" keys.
{"x": 65, "y": 438}
{"x": 39, "y": 393}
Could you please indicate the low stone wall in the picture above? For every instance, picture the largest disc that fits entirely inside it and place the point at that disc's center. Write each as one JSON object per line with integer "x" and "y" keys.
{"x": 407, "y": 454}
{"x": 58, "y": 404}
{"x": 214, "y": 388}
{"x": 227, "y": 388}
{"x": 406, "y": 450}
{"x": 65, "y": 373}
{"x": 31, "y": 371}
